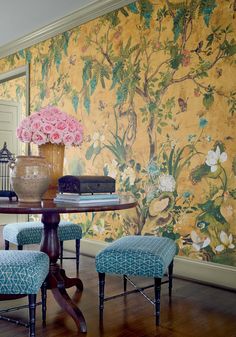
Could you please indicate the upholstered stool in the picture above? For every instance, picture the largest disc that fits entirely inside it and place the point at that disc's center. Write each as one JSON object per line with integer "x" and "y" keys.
{"x": 25, "y": 233}
{"x": 147, "y": 256}
{"x": 24, "y": 273}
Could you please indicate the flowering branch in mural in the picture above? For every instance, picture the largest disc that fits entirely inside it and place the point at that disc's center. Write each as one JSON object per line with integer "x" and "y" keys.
{"x": 134, "y": 71}
{"x": 212, "y": 221}
{"x": 126, "y": 68}
{"x": 155, "y": 85}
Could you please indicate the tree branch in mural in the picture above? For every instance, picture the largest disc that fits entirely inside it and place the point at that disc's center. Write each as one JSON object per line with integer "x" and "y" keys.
{"x": 132, "y": 62}
{"x": 148, "y": 56}
{"x": 48, "y": 59}
{"x": 134, "y": 71}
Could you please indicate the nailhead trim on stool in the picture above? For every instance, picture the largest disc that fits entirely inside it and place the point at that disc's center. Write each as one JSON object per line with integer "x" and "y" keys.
{"x": 23, "y": 273}
{"x": 147, "y": 256}
{"x": 24, "y": 233}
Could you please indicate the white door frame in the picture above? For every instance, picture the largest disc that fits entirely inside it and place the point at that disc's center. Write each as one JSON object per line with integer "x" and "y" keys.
{"x": 19, "y": 72}
{"x": 10, "y": 75}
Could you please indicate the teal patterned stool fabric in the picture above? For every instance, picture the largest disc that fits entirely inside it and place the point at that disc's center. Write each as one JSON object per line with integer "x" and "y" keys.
{"x": 147, "y": 256}
{"x": 24, "y": 273}
{"x": 25, "y": 233}
{"x": 137, "y": 255}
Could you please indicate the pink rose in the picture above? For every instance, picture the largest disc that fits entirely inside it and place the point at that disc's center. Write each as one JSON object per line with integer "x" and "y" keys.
{"x": 62, "y": 116}
{"x": 51, "y": 118}
{"x": 53, "y": 109}
{"x": 61, "y": 125}
{"x": 68, "y": 139}
{"x": 47, "y": 128}
{"x": 18, "y": 132}
{"x": 26, "y": 136}
{"x": 71, "y": 126}
{"x": 56, "y": 137}
{"x": 39, "y": 138}
{"x": 36, "y": 125}
{"x": 25, "y": 123}
{"x": 42, "y": 114}
{"x": 78, "y": 138}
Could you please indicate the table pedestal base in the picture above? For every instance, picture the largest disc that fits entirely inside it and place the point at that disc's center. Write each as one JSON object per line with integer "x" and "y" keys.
{"x": 57, "y": 280}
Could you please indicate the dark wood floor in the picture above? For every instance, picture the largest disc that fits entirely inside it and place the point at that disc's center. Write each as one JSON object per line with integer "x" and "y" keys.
{"x": 196, "y": 311}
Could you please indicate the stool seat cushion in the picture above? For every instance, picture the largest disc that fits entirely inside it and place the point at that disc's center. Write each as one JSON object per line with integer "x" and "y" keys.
{"x": 24, "y": 233}
{"x": 22, "y": 272}
{"x": 137, "y": 255}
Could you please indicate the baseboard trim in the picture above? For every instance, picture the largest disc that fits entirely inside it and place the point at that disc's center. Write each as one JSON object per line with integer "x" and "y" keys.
{"x": 204, "y": 272}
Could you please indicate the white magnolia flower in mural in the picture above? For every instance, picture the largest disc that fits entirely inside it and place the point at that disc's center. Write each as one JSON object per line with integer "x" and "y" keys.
{"x": 112, "y": 168}
{"x": 129, "y": 173}
{"x": 226, "y": 242}
{"x": 166, "y": 183}
{"x": 198, "y": 242}
{"x": 98, "y": 139}
{"x": 214, "y": 158}
{"x": 98, "y": 229}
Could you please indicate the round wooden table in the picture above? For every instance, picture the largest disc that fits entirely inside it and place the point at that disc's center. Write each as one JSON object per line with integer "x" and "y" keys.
{"x": 57, "y": 280}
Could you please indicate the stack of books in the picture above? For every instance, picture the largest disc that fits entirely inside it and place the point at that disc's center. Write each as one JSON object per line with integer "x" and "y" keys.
{"x": 87, "y": 199}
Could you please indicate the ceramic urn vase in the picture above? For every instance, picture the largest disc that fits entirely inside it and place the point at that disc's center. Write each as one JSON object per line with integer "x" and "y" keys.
{"x": 29, "y": 178}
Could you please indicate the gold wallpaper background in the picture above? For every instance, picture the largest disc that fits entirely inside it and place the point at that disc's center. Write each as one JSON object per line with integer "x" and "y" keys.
{"x": 154, "y": 85}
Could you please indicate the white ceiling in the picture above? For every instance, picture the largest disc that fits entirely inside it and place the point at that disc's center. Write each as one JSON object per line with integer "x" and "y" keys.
{"x": 19, "y": 18}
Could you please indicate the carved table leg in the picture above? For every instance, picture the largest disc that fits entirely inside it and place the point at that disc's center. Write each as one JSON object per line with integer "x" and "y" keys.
{"x": 57, "y": 279}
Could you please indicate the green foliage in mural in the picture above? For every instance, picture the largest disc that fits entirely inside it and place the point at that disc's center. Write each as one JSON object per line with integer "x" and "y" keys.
{"x": 126, "y": 70}
{"x": 75, "y": 100}
{"x": 206, "y": 8}
{"x": 132, "y": 73}
{"x": 154, "y": 141}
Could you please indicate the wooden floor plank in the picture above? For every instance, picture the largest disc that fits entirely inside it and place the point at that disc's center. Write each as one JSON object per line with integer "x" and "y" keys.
{"x": 195, "y": 311}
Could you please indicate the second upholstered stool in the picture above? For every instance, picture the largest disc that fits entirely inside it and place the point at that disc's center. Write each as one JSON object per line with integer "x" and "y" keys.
{"x": 25, "y": 233}
{"x": 147, "y": 256}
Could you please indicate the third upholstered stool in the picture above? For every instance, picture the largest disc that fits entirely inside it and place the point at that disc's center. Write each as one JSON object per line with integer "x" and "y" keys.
{"x": 21, "y": 274}
{"x": 138, "y": 256}
{"x": 25, "y": 233}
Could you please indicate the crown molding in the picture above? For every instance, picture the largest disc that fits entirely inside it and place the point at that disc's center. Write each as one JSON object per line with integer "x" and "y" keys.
{"x": 85, "y": 14}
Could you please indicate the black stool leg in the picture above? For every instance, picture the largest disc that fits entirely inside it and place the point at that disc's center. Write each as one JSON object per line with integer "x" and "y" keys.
{"x": 101, "y": 277}
{"x": 7, "y": 244}
{"x": 77, "y": 250}
{"x": 32, "y": 307}
{"x": 61, "y": 252}
{"x": 157, "y": 285}
{"x": 125, "y": 282}
{"x": 44, "y": 302}
{"x": 170, "y": 276}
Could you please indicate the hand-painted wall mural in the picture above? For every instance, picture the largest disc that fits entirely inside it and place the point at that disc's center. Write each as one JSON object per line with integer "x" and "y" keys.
{"x": 154, "y": 85}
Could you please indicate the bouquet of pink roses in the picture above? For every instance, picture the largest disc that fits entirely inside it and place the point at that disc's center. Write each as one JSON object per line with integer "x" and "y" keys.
{"x": 50, "y": 125}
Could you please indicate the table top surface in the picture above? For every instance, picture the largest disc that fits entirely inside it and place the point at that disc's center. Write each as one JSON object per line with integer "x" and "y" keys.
{"x": 48, "y": 206}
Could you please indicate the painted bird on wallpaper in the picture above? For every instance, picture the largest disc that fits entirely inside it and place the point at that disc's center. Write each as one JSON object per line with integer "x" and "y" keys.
{"x": 219, "y": 72}
{"x": 102, "y": 105}
{"x": 182, "y": 104}
{"x": 199, "y": 48}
